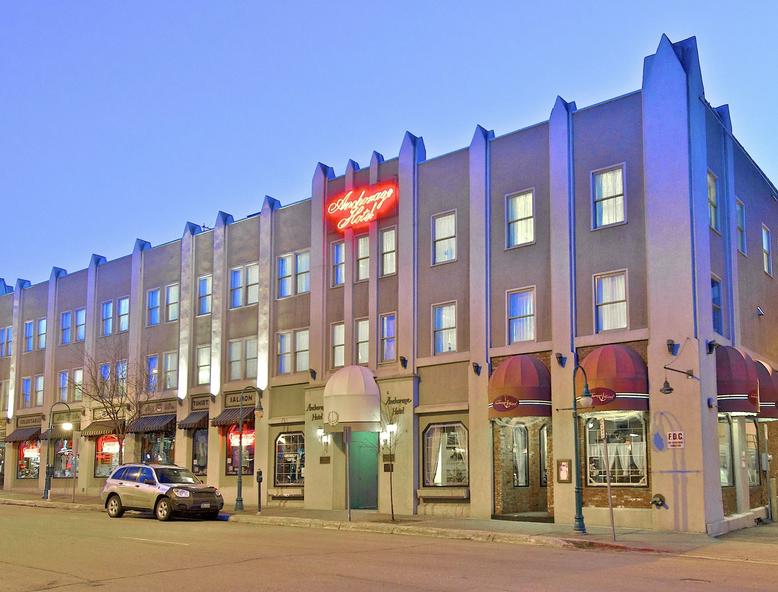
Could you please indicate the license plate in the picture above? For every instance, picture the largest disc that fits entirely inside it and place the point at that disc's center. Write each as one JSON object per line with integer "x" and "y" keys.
{"x": 205, "y": 505}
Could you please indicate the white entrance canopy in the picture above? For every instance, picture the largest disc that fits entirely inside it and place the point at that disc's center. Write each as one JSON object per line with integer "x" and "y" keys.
{"x": 352, "y": 399}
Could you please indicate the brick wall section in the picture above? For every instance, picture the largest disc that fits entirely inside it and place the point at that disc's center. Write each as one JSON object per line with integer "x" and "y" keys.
{"x": 729, "y": 500}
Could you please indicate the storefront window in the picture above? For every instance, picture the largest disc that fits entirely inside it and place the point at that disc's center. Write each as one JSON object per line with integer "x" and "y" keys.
{"x": 29, "y": 459}
{"x": 233, "y": 450}
{"x": 520, "y": 456}
{"x": 290, "y": 459}
{"x": 752, "y": 452}
{"x": 157, "y": 448}
{"x": 543, "y": 437}
{"x": 106, "y": 455}
{"x": 64, "y": 459}
{"x": 626, "y": 433}
{"x": 445, "y": 456}
{"x": 725, "y": 452}
{"x": 200, "y": 452}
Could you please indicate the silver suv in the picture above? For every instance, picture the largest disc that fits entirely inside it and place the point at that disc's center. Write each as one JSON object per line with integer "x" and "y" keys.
{"x": 162, "y": 489}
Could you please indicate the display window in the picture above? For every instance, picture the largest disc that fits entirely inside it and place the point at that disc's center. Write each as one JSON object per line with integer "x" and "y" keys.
{"x": 65, "y": 464}
{"x": 752, "y": 452}
{"x": 234, "y": 438}
{"x": 726, "y": 467}
{"x": 200, "y": 452}
{"x": 290, "y": 459}
{"x": 106, "y": 455}
{"x": 626, "y": 434}
{"x": 445, "y": 456}
{"x": 157, "y": 448}
{"x": 29, "y": 461}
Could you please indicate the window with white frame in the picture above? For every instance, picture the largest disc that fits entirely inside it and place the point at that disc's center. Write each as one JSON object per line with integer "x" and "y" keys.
{"x": 610, "y": 301}
{"x": 520, "y": 453}
{"x": 172, "y": 304}
{"x": 235, "y": 359}
{"x": 289, "y": 460}
{"x": 65, "y": 327}
{"x": 236, "y": 287}
{"x": 80, "y": 324}
{"x": 767, "y": 250}
{"x": 26, "y": 392}
{"x": 388, "y": 337}
{"x": 152, "y": 373}
{"x": 284, "y": 276}
{"x": 106, "y": 318}
{"x": 626, "y": 434}
{"x": 521, "y": 315}
{"x": 78, "y": 384}
{"x": 244, "y": 285}
{"x": 444, "y": 328}
{"x": 170, "y": 362}
{"x": 752, "y": 452}
{"x": 444, "y": 238}
{"x": 608, "y": 197}
{"x": 153, "y": 307}
{"x": 740, "y": 209}
{"x": 301, "y": 347}
{"x": 726, "y": 466}
{"x": 713, "y": 205}
{"x": 9, "y": 341}
{"x": 252, "y": 283}
{"x": 284, "y": 353}
{"x": 105, "y": 373}
{"x": 29, "y": 336}
{"x": 123, "y": 308}
{"x": 204, "y": 294}
{"x": 520, "y": 219}
{"x": 338, "y": 340}
{"x": 445, "y": 455}
{"x": 362, "y": 338}
{"x": 204, "y": 364}
{"x": 4, "y": 389}
{"x": 62, "y": 386}
{"x": 250, "y": 355}
{"x": 363, "y": 257}
{"x": 39, "y": 390}
{"x": 303, "y": 271}
{"x": 121, "y": 374}
{"x": 388, "y": 251}
{"x": 718, "y": 317}
{"x": 41, "y": 333}
{"x": 338, "y": 263}
{"x": 2, "y": 342}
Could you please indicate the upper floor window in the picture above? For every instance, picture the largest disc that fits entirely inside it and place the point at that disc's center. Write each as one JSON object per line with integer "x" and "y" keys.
{"x": 152, "y": 307}
{"x": 444, "y": 330}
{"x": 29, "y": 336}
{"x": 713, "y": 203}
{"x": 388, "y": 251}
{"x": 106, "y": 318}
{"x": 362, "y": 336}
{"x": 41, "y": 333}
{"x": 363, "y": 258}
{"x": 39, "y": 390}
{"x": 244, "y": 285}
{"x": 610, "y": 301}
{"x": 338, "y": 345}
{"x": 338, "y": 263}
{"x": 520, "y": 219}
{"x": 236, "y": 288}
{"x": 204, "y": 292}
{"x": 444, "y": 238}
{"x": 78, "y": 384}
{"x": 301, "y": 347}
{"x": 152, "y": 373}
{"x": 80, "y": 324}
{"x": 26, "y": 392}
{"x": 65, "y": 327}
{"x": 284, "y": 276}
{"x": 521, "y": 316}
{"x": 170, "y": 362}
{"x": 62, "y": 386}
{"x": 121, "y": 375}
{"x": 767, "y": 250}
{"x": 303, "y": 271}
{"x": 2, "y": 344}
{"x": 123, "y": 306}
{"x": 741, "y": 226}
{"x": 9, "y": 340}
{"x": 242, "y": 358}
{"x": 172, "y": 298}
{"x": 204, "y": 364}
{"x": 284, "y": 353}
{"x": 608, "y": 197}
{"x": 388, "y": 337}
{"x": 715, "y": 291}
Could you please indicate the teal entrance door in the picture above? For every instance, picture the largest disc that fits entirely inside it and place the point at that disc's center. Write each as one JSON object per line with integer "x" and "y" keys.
{"x": 363, "y": 472}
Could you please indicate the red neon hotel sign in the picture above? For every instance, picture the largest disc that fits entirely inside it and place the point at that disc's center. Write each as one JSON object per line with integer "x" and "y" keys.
{"x": 359, "y": 207}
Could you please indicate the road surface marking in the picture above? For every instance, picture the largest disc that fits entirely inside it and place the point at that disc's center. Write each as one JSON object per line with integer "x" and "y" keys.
{"x": 156, "y": 541}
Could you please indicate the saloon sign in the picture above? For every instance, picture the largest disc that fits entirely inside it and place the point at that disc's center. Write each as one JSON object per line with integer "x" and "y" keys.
{"x": 359, "y": 207}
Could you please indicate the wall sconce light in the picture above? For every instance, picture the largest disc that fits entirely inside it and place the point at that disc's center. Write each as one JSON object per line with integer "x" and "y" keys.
{"x": 324, "y": 438}
{"x": 403, "y": 361}
{"x": 312, "y": 373}
{"x": 672, "y": 347}
{"x": 477, "y": 368}
{"x": 759, "y": 311}
{"x": 712, "y": 403}
{"x": 666, "y": 388}
{"x": 711, "y": 345}
{"x": 560, "y": 359}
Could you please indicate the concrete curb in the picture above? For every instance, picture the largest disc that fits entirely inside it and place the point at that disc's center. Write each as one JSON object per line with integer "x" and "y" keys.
{"x": 55, "y": 505}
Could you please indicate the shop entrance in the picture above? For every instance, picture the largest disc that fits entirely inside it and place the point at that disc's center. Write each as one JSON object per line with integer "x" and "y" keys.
{"x": 363, "y": 470}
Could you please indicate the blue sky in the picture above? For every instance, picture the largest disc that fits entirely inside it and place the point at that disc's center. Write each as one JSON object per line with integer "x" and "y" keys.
{"x": 124, "y": 120}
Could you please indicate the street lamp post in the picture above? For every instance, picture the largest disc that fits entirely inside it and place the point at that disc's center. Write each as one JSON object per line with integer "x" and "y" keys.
{"x": 239, "y": 496}
{"x": 586, "y": 401}
{"x": 67, "y": 426}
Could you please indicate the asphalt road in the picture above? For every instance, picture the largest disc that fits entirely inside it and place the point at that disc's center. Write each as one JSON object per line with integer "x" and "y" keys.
{"x": 47, "y": 549}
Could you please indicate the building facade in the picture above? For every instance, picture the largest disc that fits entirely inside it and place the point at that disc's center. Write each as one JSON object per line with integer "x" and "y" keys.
{"x": 631, "y": 238}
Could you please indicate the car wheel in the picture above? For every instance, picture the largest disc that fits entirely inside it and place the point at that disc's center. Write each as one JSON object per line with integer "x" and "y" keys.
{"x": 163, "y": 510}
{"x": 114, "y": 506}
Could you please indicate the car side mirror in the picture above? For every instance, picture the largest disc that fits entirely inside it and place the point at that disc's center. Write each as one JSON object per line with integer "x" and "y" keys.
{"x": 149, "y": 482}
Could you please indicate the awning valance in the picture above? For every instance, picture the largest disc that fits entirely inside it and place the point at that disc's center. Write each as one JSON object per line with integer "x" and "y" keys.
{"x": 768, "y": 391}
{"x": 57, "y": 433}
{"x": 101, "y": 427}
{"x": 233, "y": 416}
{"x": 520, "y": 386}
{"x": 193, "y": 421}
{"x": 351, "y": 398}
{"x": 618, "y": 368}
{"x": 737, "y": 384}
{"x": 24, "y": 434}
{"x": 152, "y": 423}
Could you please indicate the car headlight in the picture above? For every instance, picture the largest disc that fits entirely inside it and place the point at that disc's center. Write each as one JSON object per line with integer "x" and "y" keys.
{"x": 218, "y": 493}
{"x": 181, "y": 492}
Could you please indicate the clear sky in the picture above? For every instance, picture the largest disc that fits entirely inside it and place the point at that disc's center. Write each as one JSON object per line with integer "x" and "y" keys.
{"x": 124, "y": 120}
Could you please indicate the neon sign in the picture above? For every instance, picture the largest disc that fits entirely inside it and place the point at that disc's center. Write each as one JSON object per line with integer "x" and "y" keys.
{"x": 359, "y": 207}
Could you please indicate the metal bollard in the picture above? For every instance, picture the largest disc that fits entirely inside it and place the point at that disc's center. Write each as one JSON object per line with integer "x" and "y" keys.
{"x": 259, "y": 491}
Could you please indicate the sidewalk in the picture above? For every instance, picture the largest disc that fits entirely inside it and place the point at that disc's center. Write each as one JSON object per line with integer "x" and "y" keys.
{"x": 754, "y": 544}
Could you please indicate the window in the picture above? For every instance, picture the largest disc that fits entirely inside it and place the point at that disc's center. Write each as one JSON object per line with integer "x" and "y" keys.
{"x": 284, "y": 279}
{"x": 106, "y": 310}
{"x": 338, "y": 345}
{"x": 303, "y": 271}
{"x": 244, "y": 285}
{"x": 388, "y": 251}
{"x": 251, "y": 353}
{"x": 713, "y": 206}
{"x": 171, "y": 370}
{"x": 65, "y": 462}
{"x": 608, "y": 197}
{"x": 444, "y": 238}
{"x": 293, "y": 267}
{"x": 445, "y": 455}
{"x": 105, "y": 373}
{"x": 65, "y": 327}
{"x": 363, "y": 258}
{"x": 388, "y": 337}
{"x": 521, "y": 316}
{"x": 107, "y": 456}
{"x": 80, "y": 324}
{"x": 123, "y": 306}
{"x": 234, "y": 440}
{"x": 284, "y": 353}
{"x": 301, "y": 350}
{"x": 9, "y": 339}
{"x": 200, "y": 452}
{"x": 152, "y": 307}
{"x": 78, "y": 384}
{"x": 611, "y": 302}
{"x": 752, "y": 452}
{"x": 62, "y": 387}
{"x": 2, "y": 342}
{"x": 152, "y": 372}
{"x": 29, "y": 460}
{"x": 363, "y": 340}
{"x": 543, "y": 437}
{"x": 204, "y": 290}
{"x": 4, "y": 388}
{"x": 767, "y": 250}
{"x": 121, "y": 375}
{"x": 252, "y": 283}
{"x": 520, "y": 219}
{"x": 444, "y": 332}
{"x": 29, "y": 338}
{"x": 626, "y": 433}
{"x": 236, "y": 288}
{"x": 726, "y": 466}
{"x": 338, "y": 263}
{"x": 715, "y": 290}
{"x": 285, "y": 362}
{"x": 290, "y": 460}
{"x": 158, "y": 448}
{"x": 520, "y": 456}
{"x": 234, "y": 351}
{"x": 204, "y": 364}
{"x": 39, "y": 390}
{"x": 172, "y": 298}
{"x": 741, "y": 226}
{"x": 26, "y": 392}
{"x": 41, "y": 333}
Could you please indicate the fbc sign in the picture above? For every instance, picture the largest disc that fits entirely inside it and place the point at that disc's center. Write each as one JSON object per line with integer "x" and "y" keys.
{"x": 675, "y": 439}
{"x": 359, "y": 207}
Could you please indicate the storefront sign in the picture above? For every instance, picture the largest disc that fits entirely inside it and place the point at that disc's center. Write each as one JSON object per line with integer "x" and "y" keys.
{"x": 248, "y": 438}
{"x": 158, "y": 407}
{"x": 28, "y": 421}
{"x": 233, "y": 399}
{"x": 200, "y": 403}
{"x": 359, "y": 207}
{"x": 102, "y": 413}
{"x": 753, "y": 398}
{"x": 602, "y": 396}
{"x": 316, "y": 411}
{"x": 675, "y": 439}
{"x": 73, "y": 417}
{"x": 505, "y": 403}
{"x": 396, "y": 406}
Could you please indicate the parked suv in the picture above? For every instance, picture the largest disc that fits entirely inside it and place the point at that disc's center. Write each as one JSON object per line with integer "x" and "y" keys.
{"x": 162, "y": 489}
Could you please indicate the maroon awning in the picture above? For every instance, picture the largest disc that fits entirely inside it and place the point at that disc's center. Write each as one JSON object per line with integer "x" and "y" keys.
{"x": 193, "y": 421}
{"x": 232, "y": 416}
{"x": 737, "y": 385}
{"x": 768, "y": 391}
{"x": 520, "y": 387}
{"x": 24, "y": 434}
{"x": 621, "y": 369}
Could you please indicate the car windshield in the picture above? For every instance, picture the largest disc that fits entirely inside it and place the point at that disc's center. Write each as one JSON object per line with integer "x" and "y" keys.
{"x": 176, "y": 476}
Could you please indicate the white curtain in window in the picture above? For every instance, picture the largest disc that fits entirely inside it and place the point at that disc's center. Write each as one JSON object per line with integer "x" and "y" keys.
{"x": 608, "y": 184}
{"x": 611, "y": 301}
{"x": 433, "y": 457}
{"x": 639, "y": 456}
{"x": 445, "y": 226}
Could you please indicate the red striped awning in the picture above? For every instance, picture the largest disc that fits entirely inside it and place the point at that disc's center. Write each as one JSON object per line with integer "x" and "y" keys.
{"x": 520, "y": 386}
{"x": 737, "y": 383}
{"x": 621, "y": 369}
{"x": 768, "y": 391}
